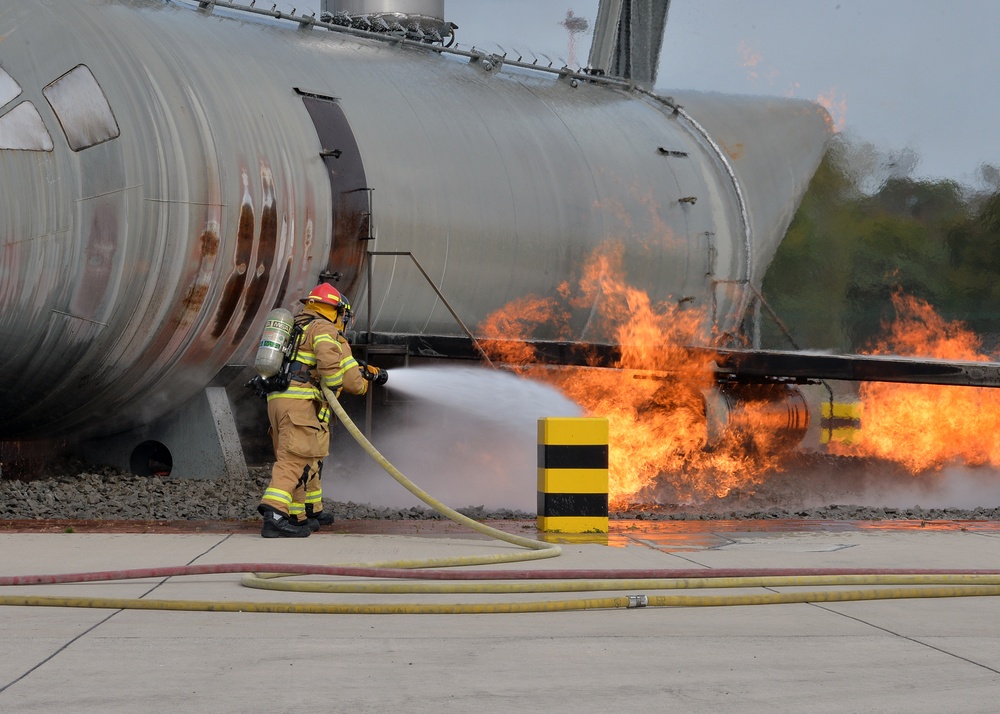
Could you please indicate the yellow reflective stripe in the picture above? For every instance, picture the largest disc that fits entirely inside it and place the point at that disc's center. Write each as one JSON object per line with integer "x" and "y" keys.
{"x": 324, "y": 413}
{"x": 297, "y": 509}
{"x": 322, "y": 339}
{"x": 314, "y": 496}
{"x": 333, "y": 381}
{"x": 276, "y": 494}
{"x": 306, "y": 358}
{"x": 297, "y": 391}
{"x": 337, "y": 378}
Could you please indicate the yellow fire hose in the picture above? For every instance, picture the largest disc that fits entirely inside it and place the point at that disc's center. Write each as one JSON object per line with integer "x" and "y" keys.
{"x": 913, "y": 584}
{"x": 536, "y": 550}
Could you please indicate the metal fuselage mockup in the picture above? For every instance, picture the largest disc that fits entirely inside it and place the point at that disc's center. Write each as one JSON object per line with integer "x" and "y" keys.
{"x": 171, "y": 174}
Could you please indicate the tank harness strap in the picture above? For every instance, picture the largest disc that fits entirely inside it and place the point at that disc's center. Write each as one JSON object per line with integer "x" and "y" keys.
{"x": 299, "y": 372}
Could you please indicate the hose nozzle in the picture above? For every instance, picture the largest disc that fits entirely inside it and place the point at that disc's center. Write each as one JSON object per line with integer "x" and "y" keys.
{"x": 375, "y": 375}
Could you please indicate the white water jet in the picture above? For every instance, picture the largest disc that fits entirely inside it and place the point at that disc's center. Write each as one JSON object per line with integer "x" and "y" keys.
{"x": 466, "y": 435}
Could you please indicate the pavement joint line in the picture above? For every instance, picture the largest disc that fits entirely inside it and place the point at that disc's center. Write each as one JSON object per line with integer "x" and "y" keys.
{"x": 59, "y": 651}
{"x": 904, "y": 637}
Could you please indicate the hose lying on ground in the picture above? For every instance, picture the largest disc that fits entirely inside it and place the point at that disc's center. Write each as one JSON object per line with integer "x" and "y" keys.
{"x": 948, "y": 584}
{"x": 917, "y": 583}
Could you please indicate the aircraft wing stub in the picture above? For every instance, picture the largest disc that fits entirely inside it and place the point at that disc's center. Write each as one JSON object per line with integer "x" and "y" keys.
{"x": 747, "y": 364}
{"x": 733, "y": 365}
{"x": 798, "y": 367}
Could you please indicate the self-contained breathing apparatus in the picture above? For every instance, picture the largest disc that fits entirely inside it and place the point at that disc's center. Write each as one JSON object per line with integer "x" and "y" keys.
{"x": 279, "y": 345}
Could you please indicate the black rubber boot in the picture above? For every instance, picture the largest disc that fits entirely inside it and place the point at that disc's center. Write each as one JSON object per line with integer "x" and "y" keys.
{"x": 322, "y": 518}
{"x": 278, "y": 525}
{"x": 311, "y": 523}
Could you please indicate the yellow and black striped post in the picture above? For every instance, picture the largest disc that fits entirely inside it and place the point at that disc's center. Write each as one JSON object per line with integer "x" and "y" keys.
{"x": 840, "y": 422}
{"x": 573, "y": 474}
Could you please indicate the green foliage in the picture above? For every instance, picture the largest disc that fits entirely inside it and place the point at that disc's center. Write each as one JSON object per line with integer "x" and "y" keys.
{"x": 974, "y": 266}
{"x": 847, "y": 250}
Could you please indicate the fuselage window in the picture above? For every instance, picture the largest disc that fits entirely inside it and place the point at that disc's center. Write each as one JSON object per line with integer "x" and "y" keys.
{"x": 8, "y": 88}
{"x": 82, "y": 109}
{"x": 22, "y": 128}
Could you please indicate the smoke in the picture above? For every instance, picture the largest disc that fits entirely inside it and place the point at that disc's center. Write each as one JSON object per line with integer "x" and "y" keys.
{"x": 466, "y": 435}
{"x": 816, "y": 482}
{"x": 957, "y": 487}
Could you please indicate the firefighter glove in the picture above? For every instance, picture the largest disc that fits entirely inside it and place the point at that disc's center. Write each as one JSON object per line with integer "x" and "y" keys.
{"x": 375, "y": 375}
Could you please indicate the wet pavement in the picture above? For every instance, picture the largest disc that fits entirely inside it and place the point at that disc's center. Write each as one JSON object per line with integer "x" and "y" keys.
{"x": 899, "y": 654}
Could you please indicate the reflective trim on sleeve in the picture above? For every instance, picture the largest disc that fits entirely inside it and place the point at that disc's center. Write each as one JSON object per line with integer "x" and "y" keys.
{"x": 334, "y": 381}
{"x": 337, "y": 378}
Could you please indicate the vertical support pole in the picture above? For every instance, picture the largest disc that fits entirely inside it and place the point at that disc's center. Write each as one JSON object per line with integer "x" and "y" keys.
{"x": 368, "y": 346}
{"x": 573, "y": 474}
{"x": 756, "y": 322}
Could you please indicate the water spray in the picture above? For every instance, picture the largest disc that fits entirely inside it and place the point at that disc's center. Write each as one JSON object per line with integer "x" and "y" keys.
{"x": 483, "y": 425}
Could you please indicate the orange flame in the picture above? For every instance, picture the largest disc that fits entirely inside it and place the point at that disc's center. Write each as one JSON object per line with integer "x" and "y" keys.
{"x": 654, "y": 400}
{"x": 749, "y": 58}
{"x": 927, "y": 427}
{"x": 836, "y": 107}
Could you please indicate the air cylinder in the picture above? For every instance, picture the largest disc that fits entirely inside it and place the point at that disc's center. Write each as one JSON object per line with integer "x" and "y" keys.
{"x": 271, "y": 351}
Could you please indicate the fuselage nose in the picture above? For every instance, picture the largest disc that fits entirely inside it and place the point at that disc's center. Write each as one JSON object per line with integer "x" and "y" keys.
{"x": 64, "y": 226}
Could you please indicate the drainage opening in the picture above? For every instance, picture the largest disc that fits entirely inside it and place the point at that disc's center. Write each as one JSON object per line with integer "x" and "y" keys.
{"x": 151, "y": 458}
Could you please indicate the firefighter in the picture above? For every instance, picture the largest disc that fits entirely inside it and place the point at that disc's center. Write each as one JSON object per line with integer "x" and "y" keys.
{"x": 292, "y": 505}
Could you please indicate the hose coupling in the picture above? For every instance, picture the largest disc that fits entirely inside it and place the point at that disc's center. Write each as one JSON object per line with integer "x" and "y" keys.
{"x": 637, "y": 601}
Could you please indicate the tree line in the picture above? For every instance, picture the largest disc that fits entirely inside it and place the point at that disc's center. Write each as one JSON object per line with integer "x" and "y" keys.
{"x": 864, "y": 230}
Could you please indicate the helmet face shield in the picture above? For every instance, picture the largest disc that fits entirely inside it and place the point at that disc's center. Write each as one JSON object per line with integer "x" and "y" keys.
{"x": 348, "y": 314}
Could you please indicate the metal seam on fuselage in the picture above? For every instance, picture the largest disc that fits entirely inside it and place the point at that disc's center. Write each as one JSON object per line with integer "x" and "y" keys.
{"x": 744, "y": 213}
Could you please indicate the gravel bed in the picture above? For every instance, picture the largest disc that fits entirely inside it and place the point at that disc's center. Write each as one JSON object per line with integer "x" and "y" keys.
{"x": 818, "y": 488}
{"x": 108, "y": 494}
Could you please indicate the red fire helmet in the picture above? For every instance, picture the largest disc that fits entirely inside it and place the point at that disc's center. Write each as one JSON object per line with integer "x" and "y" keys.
{"x": 326, "y": 294}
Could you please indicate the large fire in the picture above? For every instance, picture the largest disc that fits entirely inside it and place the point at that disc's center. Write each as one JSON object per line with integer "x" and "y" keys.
{"x": 928, "y": 427}
{"x": 662, "y": 446}
{"x": 659, "y": 443}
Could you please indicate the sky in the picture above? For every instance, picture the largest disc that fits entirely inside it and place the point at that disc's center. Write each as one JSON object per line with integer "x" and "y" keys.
{"x": 907, "y": 76}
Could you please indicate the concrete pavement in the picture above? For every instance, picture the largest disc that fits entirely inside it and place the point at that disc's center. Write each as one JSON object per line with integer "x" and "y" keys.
{"x": 900, "y": 655}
